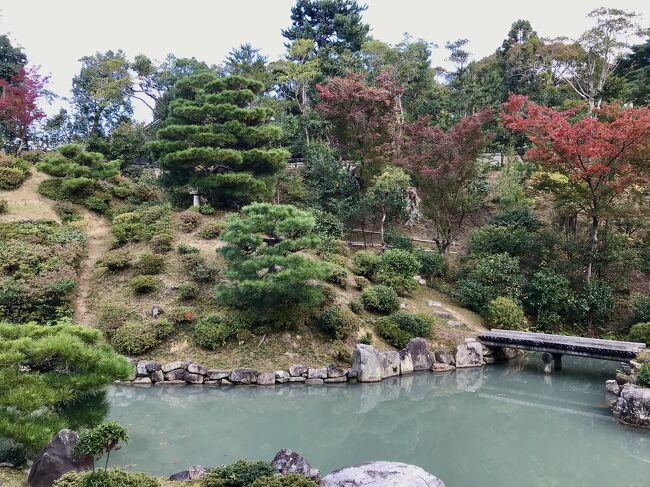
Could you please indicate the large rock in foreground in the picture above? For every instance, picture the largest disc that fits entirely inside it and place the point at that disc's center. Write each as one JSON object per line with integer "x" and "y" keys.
{"x": 366, "y": 364}
{"x": 417, "y": 348}
{"x": 633, "y": 406}
{"x": 57, "y": 458}
{"x": 469, "y": 354}
{"x": 381, "y": 474}
{"x": 288, "y": 461}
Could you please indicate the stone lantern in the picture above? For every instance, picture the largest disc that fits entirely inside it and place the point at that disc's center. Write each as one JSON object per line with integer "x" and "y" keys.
{"x": 196, "y": 199}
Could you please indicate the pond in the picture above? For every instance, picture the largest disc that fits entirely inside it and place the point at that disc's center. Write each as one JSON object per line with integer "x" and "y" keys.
{"x": 500, "y": 425}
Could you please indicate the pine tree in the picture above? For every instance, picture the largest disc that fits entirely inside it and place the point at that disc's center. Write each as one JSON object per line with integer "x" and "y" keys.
{"x": 216, "y": 140}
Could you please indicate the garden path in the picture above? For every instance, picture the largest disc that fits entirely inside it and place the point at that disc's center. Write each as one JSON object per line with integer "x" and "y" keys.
{"x": 25, "y": 203}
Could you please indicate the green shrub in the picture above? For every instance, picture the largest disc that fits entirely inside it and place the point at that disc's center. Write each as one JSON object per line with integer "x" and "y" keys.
{"x": 640, "y": 332}
{"x": 11, "y": 178}
{"x": 643, "y": 375}
{"x": 518, "y": 216}
{"x": 641, "y": 307}
{"x": 144, "y": 284}
{"x": 339, "y": 277}
{"x": 66, "y": 211}
{"x": 431, "y": 262}
{"x": 398, "y": 240}
{"x": 206, "y": 209}
{"x": 366, "y": 263}
{"x": 106, "y": 478}
{"x": 361, "y": 282}
{"x": 397, "y": 270}
{"x": 355, "y": 307}
{"x": 491, "y": 239}
{"x": 290, "y": 480}
{"x": 417, "y": 325}
{"x": 134, "y": 337}
{"x": 392, "y": 333}
{"x": 190, "y": 221}
{"x": 328, "y": 225}
{"x": 212, "y": 230}
{"x": 52, "y": 189}
{"x": 380, "y": 298}
{"x": 241, "y": 473}
{"x": 504, "y": 313}
{"x": 184, "y": 248}
{"x": 116, "y": 261}
{"x": 101, "y": 439}
{"x": 366, "y": 338}
{"x": 181, "y": 315}
{"x": 112, "y": 316}
{"x": 98, "y": 202}
{"x": 162, "y": 328}
{"x": 483, "y": 278}
{"x": 338, "y": 322}
{"x": 198, "y": 268}
{"x": 4, "y": 206}
{"x": 213, "y": 332}
{"x": 161, "y": 242}
{"x": 150, "y": 264}
{"x": 188, "y": 291}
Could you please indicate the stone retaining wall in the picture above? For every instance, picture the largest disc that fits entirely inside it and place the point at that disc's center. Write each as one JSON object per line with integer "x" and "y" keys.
{"x": 368, "y": 365}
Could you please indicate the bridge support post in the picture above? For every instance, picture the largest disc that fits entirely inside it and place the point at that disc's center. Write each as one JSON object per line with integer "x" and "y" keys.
{"x": 557, "y": 361}
{"x": 547, "y": 358}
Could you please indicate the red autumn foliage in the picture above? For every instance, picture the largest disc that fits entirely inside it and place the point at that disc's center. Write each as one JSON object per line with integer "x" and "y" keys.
{"x": 444, "y": 166}
{"x": 364, "y": 117}
{"x": 19, "y": 101}
{"x": 600, "y": 153}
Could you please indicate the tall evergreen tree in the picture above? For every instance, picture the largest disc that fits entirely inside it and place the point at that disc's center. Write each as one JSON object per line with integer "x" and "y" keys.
{"x": 217, "y": 140}
{"x": 12, "y": 58}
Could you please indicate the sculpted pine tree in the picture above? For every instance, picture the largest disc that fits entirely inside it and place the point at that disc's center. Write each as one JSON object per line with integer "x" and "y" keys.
{"x": 216, "y": 140}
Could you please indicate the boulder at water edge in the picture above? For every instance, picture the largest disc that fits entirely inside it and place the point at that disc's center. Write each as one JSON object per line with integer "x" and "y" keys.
{"x": 57, "y": 458}
{"x": 365, "y": 362}
{"x": 633, "y": 406}
{"x": 288, "y": 461}
{"x": 381, "y": 474}
{"x": 420, "y": 354}
{"x": 469, "y": 354}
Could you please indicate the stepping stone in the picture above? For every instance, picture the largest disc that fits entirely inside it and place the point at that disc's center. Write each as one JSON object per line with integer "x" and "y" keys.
{"x": 434, "y": 304}
{"x": 454, "y": 323}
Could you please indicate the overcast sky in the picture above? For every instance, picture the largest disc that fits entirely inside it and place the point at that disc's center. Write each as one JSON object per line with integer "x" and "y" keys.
{"x": 55, "y": 34}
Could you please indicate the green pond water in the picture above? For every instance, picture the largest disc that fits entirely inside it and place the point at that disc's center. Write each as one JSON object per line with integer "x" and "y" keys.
{"x": 506, "y": 425}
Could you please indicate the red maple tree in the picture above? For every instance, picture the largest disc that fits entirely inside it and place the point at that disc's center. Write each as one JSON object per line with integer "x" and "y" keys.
{"x": 444, "y": 167}
{"x": 19, "y": 103}
{"x": 364, "y": 118}
{"x": 600, "y": 153}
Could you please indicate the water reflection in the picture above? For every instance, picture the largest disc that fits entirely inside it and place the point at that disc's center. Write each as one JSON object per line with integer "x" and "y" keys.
{"x": 489, "y": 427}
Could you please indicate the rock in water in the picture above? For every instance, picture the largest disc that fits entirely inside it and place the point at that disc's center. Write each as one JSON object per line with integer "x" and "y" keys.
{"x": 381, "y": 474}
{"x": 365, "y": 361}
{"x": 390, "y": 364}
{"x": 420, "y": 355}
{"x": 57, "y": 458}
{"x": 288, "y": 461}
{"x": 469, "y": 354}
{"x": 633, "y": 406}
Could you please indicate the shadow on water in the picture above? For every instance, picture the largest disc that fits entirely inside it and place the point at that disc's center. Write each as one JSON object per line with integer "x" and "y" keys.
{"x": 502, "y": 425}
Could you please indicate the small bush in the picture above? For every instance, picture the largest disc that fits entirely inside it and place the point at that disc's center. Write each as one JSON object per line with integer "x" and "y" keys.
{"x": 640, "y": 332}
{"x": 241, "y": 473}
{"x": 4, "y": 206}
{"x": 366, "y": 263}
{"x": 150, "y": 264}
{"x": 338, "y": 322}
{"x": 144, "y": 284}
{"x": 190, "y": 221}
{"x": 188, "y": 291}
{"x": 198, "y": 268}
{"x": 184, "y": 249}
{"x": 518, "y": 216}
{"x": 213, "y": 332}
{"x": 328, "y": 225}
{"x": 11, "y": 178}
{"x": 355, "y": 307}
{"x": 392, "y": 333}
{"x": 380, "y": 298}
{"x": 505, "y": 313}
{"x": 161, "y": 243}
{"x": 116, "y": 261}
{"x": 416, "y": 324}
{"x": 361, "y": 282}
{"x": 641, "y": 307}
{"x": 66, "y": 211}
{"x": 112, "y": 316}
{"x": 397, "y": 269}
{"x": 212, "y": 230}
{"x": 643, "y": 375}
{"x": 338, "y": 277}
{"x": 431, "y": 262}
{"x": 134, "y": 337}
{"x": 162, "y": 328}
{"x": 290, "y": 480}
{"x": 106, "y": 478}
{"x": 366, "y": 338}
{"x": 97, "y": 202}
{"x": 398, "y": 240}
{"x": 181, "y": 315}
{"x": 206, "y": 209}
